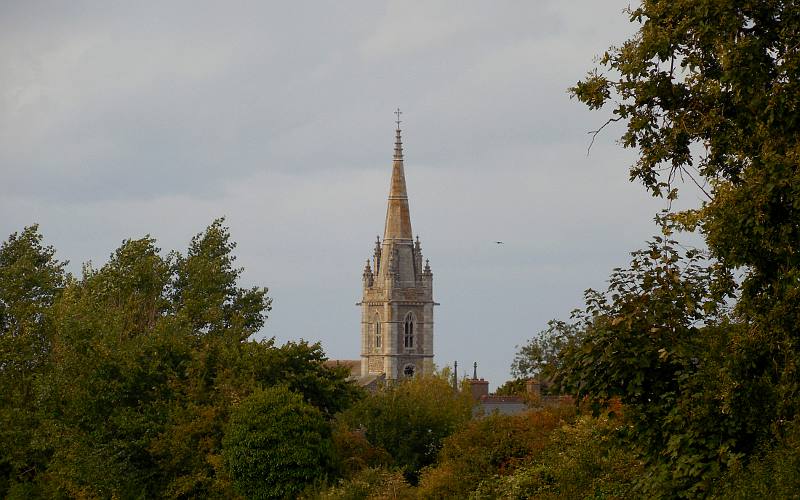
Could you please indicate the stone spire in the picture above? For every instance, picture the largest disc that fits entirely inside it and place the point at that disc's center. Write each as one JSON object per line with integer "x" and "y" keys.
{"x": 397, "y": 302}
{"x": 398, "y": 218}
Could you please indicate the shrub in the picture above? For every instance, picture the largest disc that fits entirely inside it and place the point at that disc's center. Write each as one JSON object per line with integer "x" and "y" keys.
{"x": 410, "y": 419}
{"x": 372, "y": 484}
{"x": 582, "y": 460}
{"x": 276, "y": 444}
{"x": 496, "y": 444}
{"x": 775, "y": 473}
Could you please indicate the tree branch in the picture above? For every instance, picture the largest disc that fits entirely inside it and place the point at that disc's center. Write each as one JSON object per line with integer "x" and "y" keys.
{"x": 701, "y": 188}
{"x": 595, "y": 132}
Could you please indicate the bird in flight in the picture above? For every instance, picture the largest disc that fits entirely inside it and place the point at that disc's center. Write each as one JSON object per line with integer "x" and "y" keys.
{"x": 499, "y": 242}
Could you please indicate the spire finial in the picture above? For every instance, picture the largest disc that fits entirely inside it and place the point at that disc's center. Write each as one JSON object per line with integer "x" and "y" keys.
{"x": 398, "y": 142}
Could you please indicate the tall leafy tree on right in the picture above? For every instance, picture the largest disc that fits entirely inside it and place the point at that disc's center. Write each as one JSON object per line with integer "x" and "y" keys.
{"x": 709, "y": 91}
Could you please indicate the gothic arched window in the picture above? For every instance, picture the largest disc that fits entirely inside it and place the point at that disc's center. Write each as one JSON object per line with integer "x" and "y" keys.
{"x": 408, "y": 331}
{"x": 378, "y": 337}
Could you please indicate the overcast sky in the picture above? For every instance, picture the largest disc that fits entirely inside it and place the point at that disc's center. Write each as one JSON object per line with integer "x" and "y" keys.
{"x": 119, "y": 119}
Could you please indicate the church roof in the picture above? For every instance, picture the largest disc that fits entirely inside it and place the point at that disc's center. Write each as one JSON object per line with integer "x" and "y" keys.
{"x": 354, "y": 365}
{"x": 398, "y": 219}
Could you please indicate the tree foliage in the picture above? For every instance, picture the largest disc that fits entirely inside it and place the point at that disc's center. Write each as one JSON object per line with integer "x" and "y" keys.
{"x": 138, "y": 367}
{"x": 709, "y": 92}
{"x": 410, "y": 419}
{"x": 487, "y": 446}
{"x": 205, "y": 292}
{"x": 31, "y": 279}
{"x": 657, "y": 341}
{"x": 721, "y": 79}
{"x": 540, "y": 357}
{"x": 578, "y": 459}
{"x": 276, "y": 444}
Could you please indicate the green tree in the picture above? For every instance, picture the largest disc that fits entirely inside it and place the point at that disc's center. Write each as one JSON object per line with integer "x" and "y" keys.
{"x": 709, "y": 92}
{"x": 540, "y": 357}
{"x": 515, "y": 387}
{"x": 410, "y": 419}
{"x": 113, "y": 359}
{"x": 657, "y": 340}
{"x": 121, "y": 383}
{"x": 31, "y": 278}
{"x": 205, "y": 291}
{"x": 137, "y": 394}
{"x": 276, "y": 444}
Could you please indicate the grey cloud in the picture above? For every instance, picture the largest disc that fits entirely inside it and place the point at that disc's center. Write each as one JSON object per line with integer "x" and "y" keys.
{"x": 121, "y": 119}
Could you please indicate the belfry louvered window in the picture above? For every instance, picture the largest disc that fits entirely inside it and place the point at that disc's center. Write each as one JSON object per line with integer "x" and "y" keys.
{"x": 408, "y": 336}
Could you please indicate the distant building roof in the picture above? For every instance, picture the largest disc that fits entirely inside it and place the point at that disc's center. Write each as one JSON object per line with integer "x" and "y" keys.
{"x": 353, "y": 364}
{"x": 504, "y": 405}
{"x": 370, "y": 381}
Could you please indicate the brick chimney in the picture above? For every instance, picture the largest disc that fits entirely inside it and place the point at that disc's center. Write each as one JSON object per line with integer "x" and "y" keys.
{"x": 478, "y": 388}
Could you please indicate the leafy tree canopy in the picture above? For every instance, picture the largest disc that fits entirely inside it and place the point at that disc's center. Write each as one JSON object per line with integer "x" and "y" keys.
{"x": 540, "y": 356}
{"x": 31, "y": 279}
{"x": 410, "y": 419}
{"x": 709, "y": 94}
{"x": 138, "y": 367}
{"x": 276, "y": 444}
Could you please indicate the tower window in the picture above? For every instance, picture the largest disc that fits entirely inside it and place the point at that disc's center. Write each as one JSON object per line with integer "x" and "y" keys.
{"x": 408, "y": 332}
{"x": 378, "y": 337}
{"x": 408, "y": 371}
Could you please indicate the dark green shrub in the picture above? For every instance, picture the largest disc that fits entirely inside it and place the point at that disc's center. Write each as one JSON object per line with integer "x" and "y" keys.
{"x": 276, "y": 444}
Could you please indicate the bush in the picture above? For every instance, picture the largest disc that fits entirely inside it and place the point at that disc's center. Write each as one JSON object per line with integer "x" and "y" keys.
{"x": 493, "y": 445}
{"x": 371, "y": 483}
{"x": 582, "y": 460}
{"x": 354, "y": 453}
{"x": 276, "y": 444}
{"x": 774, "y": 474}
{"x": 410, "y": 419}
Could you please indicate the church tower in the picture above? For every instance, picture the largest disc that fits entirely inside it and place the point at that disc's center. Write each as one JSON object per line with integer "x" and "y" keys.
{"x": 397, "y": 303}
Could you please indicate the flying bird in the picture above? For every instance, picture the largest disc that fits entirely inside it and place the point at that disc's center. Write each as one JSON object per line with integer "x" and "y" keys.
{"x": 499, "y": 242}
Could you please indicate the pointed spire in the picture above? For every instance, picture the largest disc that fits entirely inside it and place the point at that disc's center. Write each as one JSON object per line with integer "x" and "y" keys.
{"x": 368, "y": 277}
{"x": 398, "y": 219}
{"x": 398, "y": 141}
{"x": 376, "y": 254}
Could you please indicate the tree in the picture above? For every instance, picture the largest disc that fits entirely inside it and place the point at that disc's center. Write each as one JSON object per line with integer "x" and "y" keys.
{"x": 138, "y": 387}
{"x": 115, "y": 360}
{"x": 710, "y": 93}
{"x": 540, "y": 356}
{"x": 410, "y": 419}
{"x": 31, "y": 278}
{"x": 514, "y": 387}
{"x": 205, "y": 293}
{"x": 276, "y": 444}
{"x": 657, "y": 340}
